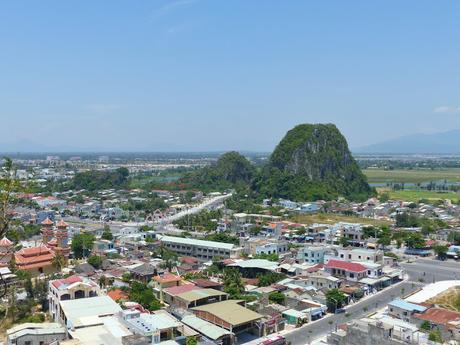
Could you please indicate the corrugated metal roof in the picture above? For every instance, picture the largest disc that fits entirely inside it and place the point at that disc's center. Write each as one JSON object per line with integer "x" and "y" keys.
{"x": 230, "y": 311}
{"x": 206, "y": 328}
{"x": 198, "y": 294}
{"x": 399, "y": 303}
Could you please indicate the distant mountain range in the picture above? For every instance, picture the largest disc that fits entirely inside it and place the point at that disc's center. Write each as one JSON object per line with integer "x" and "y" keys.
{"x": 441, "y": 143}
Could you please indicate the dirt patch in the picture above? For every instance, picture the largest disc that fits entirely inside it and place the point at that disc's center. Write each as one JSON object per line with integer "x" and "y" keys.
{"x": 449, "y": 299}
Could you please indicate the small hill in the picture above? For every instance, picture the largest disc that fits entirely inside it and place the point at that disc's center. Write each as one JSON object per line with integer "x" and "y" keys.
{"x": 313, "y": 162}
{"x": 232, "y": 170}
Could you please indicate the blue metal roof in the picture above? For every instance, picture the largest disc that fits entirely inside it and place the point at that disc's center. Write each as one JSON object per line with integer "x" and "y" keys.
{"x": 399, "y": 303}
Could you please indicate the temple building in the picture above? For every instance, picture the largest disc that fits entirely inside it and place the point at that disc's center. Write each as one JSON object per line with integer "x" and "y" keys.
{"x": 6, "y": 251}
{"x": 36, "y": 260}
{"x": 39, "y": 259}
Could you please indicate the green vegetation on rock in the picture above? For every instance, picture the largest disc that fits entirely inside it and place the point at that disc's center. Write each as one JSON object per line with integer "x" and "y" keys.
{"x": 313, "y": 162}
{"x": 232, "y": 170}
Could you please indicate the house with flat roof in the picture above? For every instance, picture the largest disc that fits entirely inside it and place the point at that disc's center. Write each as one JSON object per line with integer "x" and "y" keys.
{"x": 87, "y": 311}
{"x": 322, "y": 280}
{"x": 312, "y": 254}
{"x": 404, "y": 310}
{"x": 36, "y": 333}
{"x": 156, "y": 327}
{"x": 200, "y": 249}
{"x": 230, "y": 315}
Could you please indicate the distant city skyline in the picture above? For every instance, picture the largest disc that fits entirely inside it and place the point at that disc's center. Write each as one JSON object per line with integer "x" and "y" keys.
{"x": 198, "y": 75}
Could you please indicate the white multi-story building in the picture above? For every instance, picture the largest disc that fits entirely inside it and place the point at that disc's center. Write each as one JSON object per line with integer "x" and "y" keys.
{"x": 73, "y": 287}
{"x": 202, "y": 250}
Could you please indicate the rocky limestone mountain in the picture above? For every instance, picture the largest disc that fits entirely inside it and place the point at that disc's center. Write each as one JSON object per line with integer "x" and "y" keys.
{"x": 313, "y": 161}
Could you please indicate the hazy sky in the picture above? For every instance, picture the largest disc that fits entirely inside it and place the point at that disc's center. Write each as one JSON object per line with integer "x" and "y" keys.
{"x": 217, "y": 75}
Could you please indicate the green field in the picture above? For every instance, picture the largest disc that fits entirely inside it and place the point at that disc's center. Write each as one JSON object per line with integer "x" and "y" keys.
{"x": 416, "y": 195}
{"x": 412, "y": 176}
{"x": 328, "y": 218}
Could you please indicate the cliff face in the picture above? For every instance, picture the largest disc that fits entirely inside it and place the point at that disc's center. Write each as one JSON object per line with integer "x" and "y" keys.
{"x": 314, "y": 162}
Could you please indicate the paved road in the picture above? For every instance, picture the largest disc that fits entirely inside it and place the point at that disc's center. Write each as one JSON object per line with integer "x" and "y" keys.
{"x": 426, "y": 269}
{"x": 325, "y": 325}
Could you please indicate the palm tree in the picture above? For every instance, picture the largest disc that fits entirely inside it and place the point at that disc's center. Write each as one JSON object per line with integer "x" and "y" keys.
{"x": 59, "y": 262}
{"x": 102, "y": 281}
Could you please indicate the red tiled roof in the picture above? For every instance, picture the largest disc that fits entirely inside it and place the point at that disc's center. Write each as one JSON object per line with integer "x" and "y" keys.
{"x": 47, "y": 221}
{"x": 188, "y": 260}
{"x": 34, "y": 251}
{"x": 175, "y": 290}
{"x": 167, "y": 278}
{"x": 53, "y": 242}
{"x": 117, "y": 295}
{"x": 347, "y": 266}
{"x": 62, "y": 224}
{"x": 205, "y": 283}
{"x": 315, "y": 268}
{"x": 439, "y": 316}
{"x": 4, "y": 242}
{"x": 69, "y": 280}
{"x": 40, "y": 255}
{"x": 250, "y": 281}
{"x": 228, "y": 262}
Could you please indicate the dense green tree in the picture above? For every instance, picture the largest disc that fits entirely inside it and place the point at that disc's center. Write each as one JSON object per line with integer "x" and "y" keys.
{"x": 143, "y": 295}
{"x": 107, "y": 233}
{"x": 191, "y": 341}
{"x": 441, "y": 251}
{"x": 95, "y": 261}
{"x": 223, "y": 237}
{"x": 97, "y": 179}
{"x": 82, "y": 245}
{"x": 335, "y": 299}
{"x": 233, "y": 284}
{"x": 277, "y": 297}
{"x": 415, "y": 241}
{"x": 269, "y": 278}
{"x": 425, "y": 325}
{"x": 454, "y": 237}
{"x": 271, "y": 257}
{"x": 435, "y": 336}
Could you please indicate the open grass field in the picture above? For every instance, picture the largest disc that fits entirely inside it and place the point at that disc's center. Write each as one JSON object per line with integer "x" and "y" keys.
{"x": 412, "y": 176}
{"x": 416, "y": 195}
{"x": 334, "y": 218}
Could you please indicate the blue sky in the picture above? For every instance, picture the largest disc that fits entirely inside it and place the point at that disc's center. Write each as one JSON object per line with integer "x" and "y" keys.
{"x": 193, "y": 75}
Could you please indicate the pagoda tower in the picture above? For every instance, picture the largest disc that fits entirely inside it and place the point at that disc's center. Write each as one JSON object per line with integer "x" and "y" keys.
{"x": 62, "y": 237}
{"x": 47, "y": 231}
